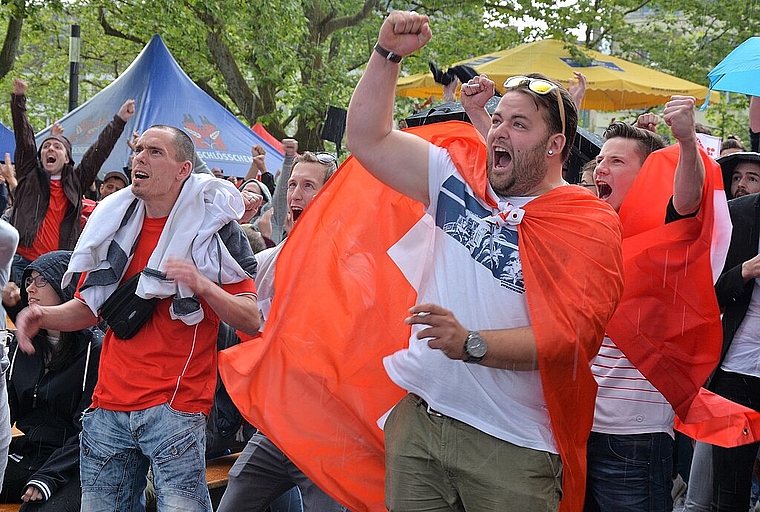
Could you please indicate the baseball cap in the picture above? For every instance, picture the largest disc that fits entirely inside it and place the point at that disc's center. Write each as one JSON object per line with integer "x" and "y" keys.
{"x": 117, "y": 174}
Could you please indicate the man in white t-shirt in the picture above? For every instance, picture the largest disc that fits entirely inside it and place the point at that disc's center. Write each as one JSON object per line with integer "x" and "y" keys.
{"x": 483, "y": 426}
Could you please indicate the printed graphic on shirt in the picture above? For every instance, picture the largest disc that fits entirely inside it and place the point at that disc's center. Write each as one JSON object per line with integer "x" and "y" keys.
{"x": 493, "y": 247}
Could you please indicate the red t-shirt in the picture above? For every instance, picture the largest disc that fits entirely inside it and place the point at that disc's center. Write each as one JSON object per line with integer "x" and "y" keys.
{"x": 166, "y": 361}
{"x": 88, "y": 205}
{"x": 49, "y": 234}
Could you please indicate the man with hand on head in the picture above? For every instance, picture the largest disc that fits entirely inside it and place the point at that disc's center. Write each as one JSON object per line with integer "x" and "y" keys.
{"x": 500, "y": 392}
{"x": 156, "y": 389}
{"x": 112, "y": 182}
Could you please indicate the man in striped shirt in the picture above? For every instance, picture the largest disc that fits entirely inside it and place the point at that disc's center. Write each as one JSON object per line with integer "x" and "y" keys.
{"x": 630, "y": 451}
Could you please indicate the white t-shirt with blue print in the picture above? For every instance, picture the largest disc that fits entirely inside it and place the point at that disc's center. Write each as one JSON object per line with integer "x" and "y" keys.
{"x": 473, "y": 269}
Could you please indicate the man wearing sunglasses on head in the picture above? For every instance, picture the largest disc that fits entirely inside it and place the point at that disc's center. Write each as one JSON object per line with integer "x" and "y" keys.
{"x": 500, "y": 395}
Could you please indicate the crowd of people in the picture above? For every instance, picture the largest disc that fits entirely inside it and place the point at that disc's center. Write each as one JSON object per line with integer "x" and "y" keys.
{"x": 559, "y": 333}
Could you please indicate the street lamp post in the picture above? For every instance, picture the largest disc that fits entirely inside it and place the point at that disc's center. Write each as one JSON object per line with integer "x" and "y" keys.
{"x": 74, "y": 42}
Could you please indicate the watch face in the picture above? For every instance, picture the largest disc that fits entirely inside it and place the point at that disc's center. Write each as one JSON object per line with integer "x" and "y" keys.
{"x": 476, "y": 345}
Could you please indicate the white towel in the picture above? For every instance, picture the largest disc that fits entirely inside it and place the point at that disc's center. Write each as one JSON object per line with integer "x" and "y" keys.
{"x": 105, "y": 247}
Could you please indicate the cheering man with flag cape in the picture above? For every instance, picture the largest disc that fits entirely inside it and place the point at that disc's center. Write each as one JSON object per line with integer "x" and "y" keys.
{"x": 507, "y": 276}
{"x": 499, "y": 389}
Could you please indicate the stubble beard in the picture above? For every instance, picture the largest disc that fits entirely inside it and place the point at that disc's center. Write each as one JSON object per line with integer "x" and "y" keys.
{"x": 528, "y": 170}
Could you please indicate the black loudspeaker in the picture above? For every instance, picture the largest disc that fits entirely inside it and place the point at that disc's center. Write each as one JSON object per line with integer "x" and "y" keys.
{"x": 335, "y": 126}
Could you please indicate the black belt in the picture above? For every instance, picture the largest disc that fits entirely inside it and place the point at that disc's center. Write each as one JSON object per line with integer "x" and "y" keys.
{"x": 428, "y": 409}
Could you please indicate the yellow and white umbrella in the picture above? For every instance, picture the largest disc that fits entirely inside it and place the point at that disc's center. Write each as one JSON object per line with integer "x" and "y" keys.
{"x": 613, "y": 83}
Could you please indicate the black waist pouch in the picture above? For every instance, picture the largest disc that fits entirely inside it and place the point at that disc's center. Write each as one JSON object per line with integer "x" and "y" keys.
{"x": 124, "y": 311}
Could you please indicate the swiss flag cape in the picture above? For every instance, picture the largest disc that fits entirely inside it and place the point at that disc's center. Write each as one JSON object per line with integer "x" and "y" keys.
{"x": 315, "y": 383}
{"x": 668, "y": 322}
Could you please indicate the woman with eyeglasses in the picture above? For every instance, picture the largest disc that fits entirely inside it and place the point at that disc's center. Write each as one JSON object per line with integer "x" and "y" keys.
{"x": 47, "y": 392}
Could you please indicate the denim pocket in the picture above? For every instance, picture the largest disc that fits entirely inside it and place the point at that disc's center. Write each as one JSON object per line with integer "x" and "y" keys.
{"x": 633, "y": 449}
{"x": 179, "y": 462}
{"x": 94, "y": 461}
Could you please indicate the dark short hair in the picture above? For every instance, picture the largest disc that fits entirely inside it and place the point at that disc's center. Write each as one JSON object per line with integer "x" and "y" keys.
{"x": 732, "y": 142}
{"x": 183, "y": 144}
{"x": 646, "y": 141}
{"x": 549, "y": 107}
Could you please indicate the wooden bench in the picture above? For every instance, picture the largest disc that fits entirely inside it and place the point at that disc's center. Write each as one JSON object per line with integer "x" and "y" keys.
{"x": 217, "y": 475}
{"x": 217, "y": 471}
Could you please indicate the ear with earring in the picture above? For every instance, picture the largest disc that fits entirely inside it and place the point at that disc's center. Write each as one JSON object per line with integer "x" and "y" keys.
{"x": 550, "y": 152}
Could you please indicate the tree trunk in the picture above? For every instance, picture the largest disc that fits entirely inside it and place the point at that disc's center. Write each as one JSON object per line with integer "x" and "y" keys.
{"x": 10, "y": 44}
{"x": 237, "y": 88}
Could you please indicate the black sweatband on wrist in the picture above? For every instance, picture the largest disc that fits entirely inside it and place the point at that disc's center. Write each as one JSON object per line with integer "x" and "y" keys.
{"x": 387, "y": 55}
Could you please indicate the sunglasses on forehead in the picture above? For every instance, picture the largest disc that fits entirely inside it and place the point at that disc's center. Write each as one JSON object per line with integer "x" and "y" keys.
{"x": 539, "y": 86}
{"x": 325, "y": 157}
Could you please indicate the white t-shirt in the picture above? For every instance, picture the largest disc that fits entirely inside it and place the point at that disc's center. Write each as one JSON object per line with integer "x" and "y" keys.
{"x": 743, "y": 355}
{"x": 626, "y": 402}
{"x": 266, "y": 261}
{"x": 474, "y": 270}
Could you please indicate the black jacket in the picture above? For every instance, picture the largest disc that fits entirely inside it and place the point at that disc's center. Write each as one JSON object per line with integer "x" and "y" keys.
{"x": 733, "y": 293}
{"x": 47, "y": 404}
{"x": 32, "y": 194}
{"x": 47, "y": 408}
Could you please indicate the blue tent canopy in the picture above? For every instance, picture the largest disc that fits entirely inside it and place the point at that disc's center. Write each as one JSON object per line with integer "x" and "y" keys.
{"x": 164, "y": 94}
{"x": 7, "y": 142}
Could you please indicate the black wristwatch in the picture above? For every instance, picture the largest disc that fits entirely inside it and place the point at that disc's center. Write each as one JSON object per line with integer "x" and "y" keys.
{"x": 475, "y": 347}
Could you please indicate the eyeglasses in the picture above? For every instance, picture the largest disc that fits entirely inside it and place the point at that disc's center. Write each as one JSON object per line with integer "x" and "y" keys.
{"x": 39, "y": 281}
{"x": 539, "y": 86}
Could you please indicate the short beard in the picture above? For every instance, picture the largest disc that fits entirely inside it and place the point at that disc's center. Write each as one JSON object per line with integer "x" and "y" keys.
{"x": 528, "y": 170}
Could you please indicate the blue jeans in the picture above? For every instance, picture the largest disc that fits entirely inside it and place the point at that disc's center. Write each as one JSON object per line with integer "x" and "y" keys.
{"x": 17, "y": 268}
{"x": 629, "y": 473}
{"x": 117, "y": 448}
{"x": 288, "y": 502}
{"x": 700, "y": 490}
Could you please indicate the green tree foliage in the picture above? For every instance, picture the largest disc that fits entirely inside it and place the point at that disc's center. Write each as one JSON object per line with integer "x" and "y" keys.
{"x": 283, "y": 62}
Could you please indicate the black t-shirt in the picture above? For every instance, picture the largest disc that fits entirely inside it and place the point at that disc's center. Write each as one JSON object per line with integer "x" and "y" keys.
{"x": 671, "y": 215}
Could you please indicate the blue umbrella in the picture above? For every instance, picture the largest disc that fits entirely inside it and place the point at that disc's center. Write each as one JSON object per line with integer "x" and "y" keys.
{"x": 739, "y": 71}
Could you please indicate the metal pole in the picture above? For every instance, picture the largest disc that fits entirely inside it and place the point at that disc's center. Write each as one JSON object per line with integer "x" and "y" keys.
{"x": 74, "y": 67}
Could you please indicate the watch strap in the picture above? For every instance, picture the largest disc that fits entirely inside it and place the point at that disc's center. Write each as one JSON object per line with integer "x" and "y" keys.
{"x": 387, "y": 55}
